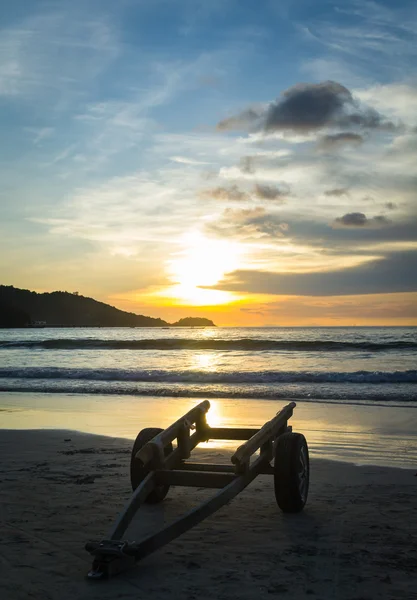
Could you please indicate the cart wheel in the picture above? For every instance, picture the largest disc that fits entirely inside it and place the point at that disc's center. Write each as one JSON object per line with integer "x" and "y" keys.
{"x": 291, "y": 472}
{"x": 138, "y": 473}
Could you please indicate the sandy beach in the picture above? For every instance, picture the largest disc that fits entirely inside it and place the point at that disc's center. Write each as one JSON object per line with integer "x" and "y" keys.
{"x": 355, "y": 540}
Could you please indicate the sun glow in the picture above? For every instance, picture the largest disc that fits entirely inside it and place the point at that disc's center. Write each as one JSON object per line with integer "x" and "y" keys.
{"x": 202, "y": 262}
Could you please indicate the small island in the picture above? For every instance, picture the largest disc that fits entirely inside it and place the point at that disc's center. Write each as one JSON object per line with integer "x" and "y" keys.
{"x": 23, "y": 308}
{"x": 193, "y": 322}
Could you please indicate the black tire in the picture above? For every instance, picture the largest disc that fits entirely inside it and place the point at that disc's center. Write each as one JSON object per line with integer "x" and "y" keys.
{"x": 291, "y": 472}
{"x": 138, "y": 473}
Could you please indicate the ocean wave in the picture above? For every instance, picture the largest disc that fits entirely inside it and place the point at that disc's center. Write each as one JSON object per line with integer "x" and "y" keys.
{"x": 243, "y": 344}
{"x": 209, "y": 377}
{"x": 332, "y": 394}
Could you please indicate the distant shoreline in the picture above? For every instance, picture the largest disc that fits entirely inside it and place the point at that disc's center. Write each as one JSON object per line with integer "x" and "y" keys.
{"x": 114, "y": 326}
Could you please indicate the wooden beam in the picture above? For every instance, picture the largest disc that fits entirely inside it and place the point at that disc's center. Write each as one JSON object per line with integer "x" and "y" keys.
{"x": 183, "y": 440}
{"x": 155, "y": 447}
{"x": 194, "y": 478}
{"x": 230, "y": 433}
{"x": 269, "y": 431}
{"x": 173, "y": 460}
{"x": 136, "y": 500}
{"x": 215, "y": 468}
{"x": 210, "y": 467}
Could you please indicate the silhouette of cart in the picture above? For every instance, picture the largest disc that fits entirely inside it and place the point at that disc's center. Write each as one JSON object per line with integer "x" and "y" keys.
{"x": 156, "y": 465}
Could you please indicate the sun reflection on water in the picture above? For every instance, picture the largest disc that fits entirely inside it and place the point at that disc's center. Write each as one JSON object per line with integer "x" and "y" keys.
{"x": 206, "y": 361}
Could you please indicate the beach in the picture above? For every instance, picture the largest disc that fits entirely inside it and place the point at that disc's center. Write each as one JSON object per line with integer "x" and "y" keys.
{"x": 355, "y": 539}
{"x": 73, "y": 400}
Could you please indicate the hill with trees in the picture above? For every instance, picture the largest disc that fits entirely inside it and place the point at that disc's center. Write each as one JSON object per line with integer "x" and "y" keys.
{"x": 193, "y": 322}
{"x": 22, "y": 308}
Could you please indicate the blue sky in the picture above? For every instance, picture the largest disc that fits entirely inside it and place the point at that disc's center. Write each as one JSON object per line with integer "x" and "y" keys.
{"x": 116, "y": 172}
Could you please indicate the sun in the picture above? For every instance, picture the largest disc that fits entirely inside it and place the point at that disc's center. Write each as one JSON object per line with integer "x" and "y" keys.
{"x": 201, "y": 262}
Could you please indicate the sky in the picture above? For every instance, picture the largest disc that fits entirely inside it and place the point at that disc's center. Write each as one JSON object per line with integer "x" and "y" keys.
{"x": 250, "y": 162}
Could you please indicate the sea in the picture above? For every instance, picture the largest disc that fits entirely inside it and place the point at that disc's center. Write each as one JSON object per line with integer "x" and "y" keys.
{"x": 345, "y": 365}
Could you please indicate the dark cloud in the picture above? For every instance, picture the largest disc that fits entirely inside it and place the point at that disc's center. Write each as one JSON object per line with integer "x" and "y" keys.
{"x": 249, "y": 222}
{"x": 390, "y": 205}
{"x": 337, "y": 192}
{"x": 337, "y": 140}
{"x": 231, "y": 193}
{"x": 268, "y": 192}
{"x": 344, "y": 240}
{"x": 234, "y": 194}
{"x": 308, "y": 107}
{"x": 241, "y": 121}
{"x": 305, "y": 106}
{"x": 396, "y": 272}
{"x": 358, "y": 219}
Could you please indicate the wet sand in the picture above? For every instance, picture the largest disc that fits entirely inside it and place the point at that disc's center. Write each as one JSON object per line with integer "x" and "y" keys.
{"x": 359, "y": 434}
{"x": 355, "y": 540}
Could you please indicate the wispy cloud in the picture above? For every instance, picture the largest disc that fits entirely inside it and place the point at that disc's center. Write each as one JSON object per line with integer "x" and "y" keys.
{"x": 52, "y": 54}
{"x": 369, "y": 33}
{"x": 339, "y": 140}
{"x": 188, "y": 161}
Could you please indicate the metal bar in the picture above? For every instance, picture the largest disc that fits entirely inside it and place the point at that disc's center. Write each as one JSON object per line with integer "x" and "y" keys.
{"x": 270, "y": 430}
{"x": 230, "y": 433}
{"x": 166, "y": 535}
{"x": 128, "y": 512}
{"x": 194, "y": 478}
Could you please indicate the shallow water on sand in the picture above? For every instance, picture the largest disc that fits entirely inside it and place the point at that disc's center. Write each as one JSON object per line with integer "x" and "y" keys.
{"x": 381, "y": 435}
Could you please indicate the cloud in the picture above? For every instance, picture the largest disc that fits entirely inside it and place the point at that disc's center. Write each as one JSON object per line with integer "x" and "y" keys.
{"x": 363, "y": 40}
{"x": 349, "y": 240}
{"x": 388, "y": 274}
{"x": 390, "y": 205}
{"x": 128, "y": 212}
{"x": 313, "y": 310}
{"x": 337, "y": 192}
{"x": 49, "y": 55}
{"x": 187, "y": 161}
{"x": 358, "y": 219}
{"x": 241, "y": 121}
{"x": 338, "y": 140}
{"x": 398, "y": 100}
{"x": 249, "y": 223}
{"x": 272, "y": 158}
{"x": 308, "y": 107}
{"x": 268, "y": 192}
{"x": 231, "y": 193}
{"x": 247, "y": 164}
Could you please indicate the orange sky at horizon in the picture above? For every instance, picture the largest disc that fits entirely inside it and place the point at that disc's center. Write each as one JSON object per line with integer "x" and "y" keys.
{"x": 291, "y": 311}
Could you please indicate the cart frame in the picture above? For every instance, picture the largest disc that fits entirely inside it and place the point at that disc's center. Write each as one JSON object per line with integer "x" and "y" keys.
{"x": 113, "y": 554}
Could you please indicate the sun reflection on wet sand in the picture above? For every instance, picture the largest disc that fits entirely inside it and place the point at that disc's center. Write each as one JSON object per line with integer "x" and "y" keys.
{"x": 360, "y": 434}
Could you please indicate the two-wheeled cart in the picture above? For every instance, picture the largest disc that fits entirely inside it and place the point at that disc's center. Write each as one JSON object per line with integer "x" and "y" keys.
{"x": 156, "y": 465}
